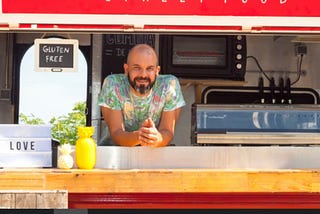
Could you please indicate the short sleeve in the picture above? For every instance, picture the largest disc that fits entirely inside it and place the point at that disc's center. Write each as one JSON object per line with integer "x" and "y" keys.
{"x": 110, "y": 93}
{"x": 174, "y": 98}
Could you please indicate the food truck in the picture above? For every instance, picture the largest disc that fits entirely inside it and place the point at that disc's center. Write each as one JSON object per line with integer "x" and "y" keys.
{"x": 247, "y": 138}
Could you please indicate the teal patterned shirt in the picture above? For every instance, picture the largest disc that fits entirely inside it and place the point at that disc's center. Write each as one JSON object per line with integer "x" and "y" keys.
{"x": 166, "y": 95}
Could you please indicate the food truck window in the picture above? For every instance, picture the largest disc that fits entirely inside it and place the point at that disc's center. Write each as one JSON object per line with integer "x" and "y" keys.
{"x": 44, "y": 95}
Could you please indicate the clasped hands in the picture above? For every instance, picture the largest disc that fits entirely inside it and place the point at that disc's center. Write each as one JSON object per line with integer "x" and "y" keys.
{"x": 149, "y": 134}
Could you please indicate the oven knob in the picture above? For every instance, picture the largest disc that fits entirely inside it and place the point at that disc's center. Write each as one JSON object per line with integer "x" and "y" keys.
{"x": 239, "y": 66}
{"x": 239, "y": 47}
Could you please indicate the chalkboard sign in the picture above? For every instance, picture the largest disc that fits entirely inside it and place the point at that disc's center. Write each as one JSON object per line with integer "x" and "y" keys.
{"x": 116, "y": 48}
{"x": 56, "y": 55}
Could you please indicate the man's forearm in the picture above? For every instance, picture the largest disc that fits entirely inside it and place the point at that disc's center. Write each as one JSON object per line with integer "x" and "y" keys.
{"x": 123, "y": 138}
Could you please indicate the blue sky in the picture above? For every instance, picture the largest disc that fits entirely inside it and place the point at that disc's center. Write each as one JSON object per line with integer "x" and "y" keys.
{"x": 48, "y": 94}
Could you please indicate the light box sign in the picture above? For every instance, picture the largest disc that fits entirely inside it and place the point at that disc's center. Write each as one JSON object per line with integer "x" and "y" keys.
{"x": 25, "y": 145}
{"x": 56, "y": 55}
{"x": 309, "y": 8}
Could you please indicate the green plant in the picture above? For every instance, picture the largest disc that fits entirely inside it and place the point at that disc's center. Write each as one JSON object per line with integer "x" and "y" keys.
{"x": 64, "y": 128}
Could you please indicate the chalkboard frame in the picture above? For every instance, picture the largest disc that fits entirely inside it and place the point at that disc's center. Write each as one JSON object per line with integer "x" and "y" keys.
{"x": 73, "y": 67}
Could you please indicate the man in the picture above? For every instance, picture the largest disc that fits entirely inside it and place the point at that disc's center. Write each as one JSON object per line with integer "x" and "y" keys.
{"x": 141, "y": 107}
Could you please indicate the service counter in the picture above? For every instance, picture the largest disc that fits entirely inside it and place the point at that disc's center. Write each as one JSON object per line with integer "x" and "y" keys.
{"x": 172, "y": 188}
{"x": 183, "y": 177}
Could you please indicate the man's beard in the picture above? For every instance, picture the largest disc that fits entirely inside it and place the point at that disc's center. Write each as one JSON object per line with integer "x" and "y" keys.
{"x": 142, "y": 89}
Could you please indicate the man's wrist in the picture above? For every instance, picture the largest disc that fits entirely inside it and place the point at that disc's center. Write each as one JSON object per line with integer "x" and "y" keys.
{"x": 136, "y": 137}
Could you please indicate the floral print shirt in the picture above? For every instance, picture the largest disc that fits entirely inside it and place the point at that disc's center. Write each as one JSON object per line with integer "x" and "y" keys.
{"x": 166, "y": 95}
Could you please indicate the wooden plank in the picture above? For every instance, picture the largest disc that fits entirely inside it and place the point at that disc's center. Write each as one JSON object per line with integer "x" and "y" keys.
{"x": 40, "y": 199}
{"x": 52, "y": 200}
{"x": 20, "y": 180}
{"x": 315, "y": 181}
{"x": 185, "y": 181}
{"x": 258, "y": 188}
{"x": 165, "y": 180}
{"x": 7, "y": 200}
{"x": 26, "y": 200}
{"x": 297, "y": 181}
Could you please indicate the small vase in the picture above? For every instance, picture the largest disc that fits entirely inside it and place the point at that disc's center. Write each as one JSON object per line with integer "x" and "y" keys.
{"x": 65, "y": 160}
{"x": 85, "y": 148}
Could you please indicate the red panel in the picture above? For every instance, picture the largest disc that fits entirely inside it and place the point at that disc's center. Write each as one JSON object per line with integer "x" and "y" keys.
{"x": 126, "y": 27}
{"x": 166, "y": 27}
{"x": 195, "y": 200}
{"x": 73, "y": 26}
{"x": 167, "y": 7}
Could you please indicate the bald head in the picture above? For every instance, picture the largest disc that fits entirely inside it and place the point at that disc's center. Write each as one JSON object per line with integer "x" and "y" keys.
{"x": 142, "y": 49}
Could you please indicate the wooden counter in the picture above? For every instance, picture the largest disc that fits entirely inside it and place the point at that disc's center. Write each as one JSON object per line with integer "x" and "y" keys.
{"x": 173, "y": 188}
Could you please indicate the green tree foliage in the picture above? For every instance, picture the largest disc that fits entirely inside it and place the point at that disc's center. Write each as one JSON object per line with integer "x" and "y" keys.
{"x": 64, "y": 128}
{"x": 24, "y": 119}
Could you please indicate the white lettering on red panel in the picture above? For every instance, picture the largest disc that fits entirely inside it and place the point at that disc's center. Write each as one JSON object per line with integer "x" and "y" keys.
{"x": 292, "y": 8}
